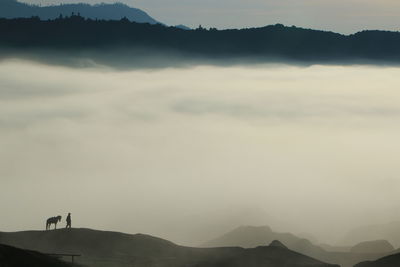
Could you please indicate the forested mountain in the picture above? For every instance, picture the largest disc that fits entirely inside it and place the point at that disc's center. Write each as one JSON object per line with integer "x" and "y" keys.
{"x": 122, "y": 39}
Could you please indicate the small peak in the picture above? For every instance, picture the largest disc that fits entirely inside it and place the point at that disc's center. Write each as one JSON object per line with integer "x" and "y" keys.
{"x": 251, "y": 227}
{"x": 277, "y": 243}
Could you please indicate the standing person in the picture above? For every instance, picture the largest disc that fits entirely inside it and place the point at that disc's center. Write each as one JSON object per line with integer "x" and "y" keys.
{"x": 68, "y": 221}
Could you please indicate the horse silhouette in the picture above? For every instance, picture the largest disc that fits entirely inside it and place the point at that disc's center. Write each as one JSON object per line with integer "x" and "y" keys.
{"x": 53, "y": 220}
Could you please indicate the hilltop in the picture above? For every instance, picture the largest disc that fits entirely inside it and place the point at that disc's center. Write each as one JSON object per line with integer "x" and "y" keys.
{"x": 94, "y": 245}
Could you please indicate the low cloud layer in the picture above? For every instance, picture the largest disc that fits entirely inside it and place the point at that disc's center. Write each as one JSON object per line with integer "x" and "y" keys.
{"x": 187, "y": 154}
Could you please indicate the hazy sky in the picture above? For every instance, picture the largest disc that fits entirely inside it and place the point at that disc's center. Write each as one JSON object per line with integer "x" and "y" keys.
{"x": 346, "y": 16}
{"x": 187, "y": 154}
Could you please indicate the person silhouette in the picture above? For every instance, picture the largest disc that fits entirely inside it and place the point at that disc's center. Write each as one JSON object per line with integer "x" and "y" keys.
{"x": 68, "y": 221}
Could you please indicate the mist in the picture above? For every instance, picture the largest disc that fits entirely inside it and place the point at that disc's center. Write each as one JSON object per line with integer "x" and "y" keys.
{"x": 190, "y": 153}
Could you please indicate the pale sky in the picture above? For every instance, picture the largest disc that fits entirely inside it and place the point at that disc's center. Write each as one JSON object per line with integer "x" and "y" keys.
{"x": 345, "y": 16}
{"x": 188, "y": 154}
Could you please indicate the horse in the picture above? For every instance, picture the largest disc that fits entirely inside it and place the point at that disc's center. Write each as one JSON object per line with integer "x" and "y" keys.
{"x": 53, "y": 220}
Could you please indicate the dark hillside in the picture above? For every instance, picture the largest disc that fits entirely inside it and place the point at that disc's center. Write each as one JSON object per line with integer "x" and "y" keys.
{"x": 389, "y": 261}
{"x": 269, "y": 256}
{"x": 14, "y": 257}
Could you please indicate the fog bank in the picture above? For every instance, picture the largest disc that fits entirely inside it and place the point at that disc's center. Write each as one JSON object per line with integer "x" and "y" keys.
{"x": 189, "y": 153}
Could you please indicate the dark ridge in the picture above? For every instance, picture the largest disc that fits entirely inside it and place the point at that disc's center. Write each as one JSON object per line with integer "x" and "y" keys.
{"x": 121, "y": 38}
{"x": 266, "y": 256}
{"x": 388, "y": 261}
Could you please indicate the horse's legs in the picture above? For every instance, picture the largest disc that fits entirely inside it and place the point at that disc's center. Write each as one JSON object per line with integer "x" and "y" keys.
{"x": 55, "y": 225}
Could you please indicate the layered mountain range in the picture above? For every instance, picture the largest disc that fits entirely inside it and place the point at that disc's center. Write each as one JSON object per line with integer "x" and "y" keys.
{"x": 251, "y": 236}
{"x": 244, "y": 247}
{"x": 112, "y": 249}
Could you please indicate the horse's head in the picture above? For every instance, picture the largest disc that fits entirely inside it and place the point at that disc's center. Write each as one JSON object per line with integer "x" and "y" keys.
{"x": 59, "y": 218}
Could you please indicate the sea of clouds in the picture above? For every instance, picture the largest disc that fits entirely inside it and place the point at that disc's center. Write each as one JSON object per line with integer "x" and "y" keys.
{"x": 189, "y": 153}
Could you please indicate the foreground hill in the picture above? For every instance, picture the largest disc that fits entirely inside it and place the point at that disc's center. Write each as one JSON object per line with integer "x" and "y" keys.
{"x": 388, "y": 261}
{"x": 96, "y": 246}
{"x": 124, "y": 42}
{"x": 250, "y": 237}
{"x": 14, "y": 257}
{"x": 14, "y": 9}
{"x": 111, "y": 249}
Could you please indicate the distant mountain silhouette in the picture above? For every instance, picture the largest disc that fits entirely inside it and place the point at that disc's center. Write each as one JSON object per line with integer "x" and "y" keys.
{"x": 15, "y": 257}
{"x": 332, "y": 248}
{"x": 388, "y": 261}
{"x": 389, "y": 232}
{"x": 377, "y": 246}
{"x": 271, "y": 256}
{"x": 14, "y": 9}
{"x": 112, "y": 249}
{"x": 119, "y": 41}
{"x": 250, "y": 237}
